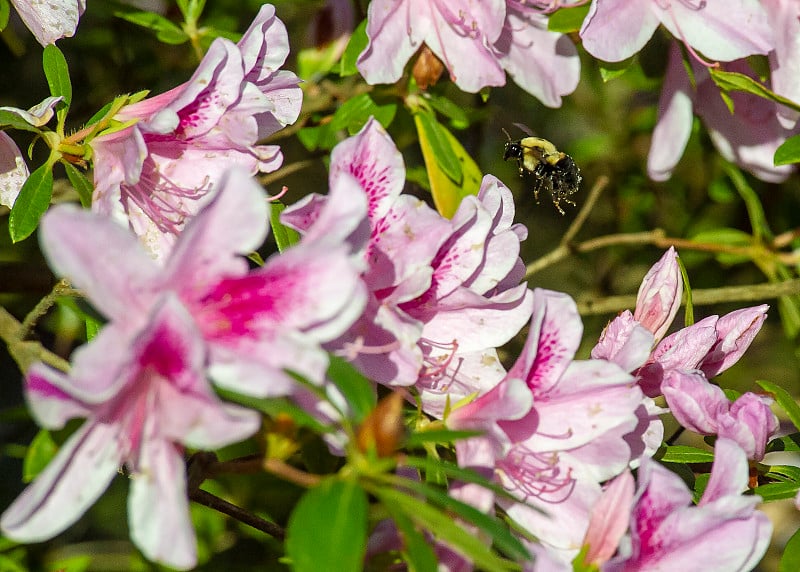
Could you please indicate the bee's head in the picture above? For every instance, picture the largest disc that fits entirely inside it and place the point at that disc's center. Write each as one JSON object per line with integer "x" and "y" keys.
{"x": 513, "y": 150}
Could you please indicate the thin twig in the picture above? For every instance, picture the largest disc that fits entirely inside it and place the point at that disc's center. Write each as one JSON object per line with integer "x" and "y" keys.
{"x": 586, "y": 209}
{"x": 214, "y": 502}
{"x": 748, "y": 293}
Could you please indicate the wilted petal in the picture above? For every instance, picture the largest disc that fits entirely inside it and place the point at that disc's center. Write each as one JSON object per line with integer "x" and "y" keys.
{"x": 37, "y": 115}
{"x": 50, "y": 21}
{"x": 13, "y": 170}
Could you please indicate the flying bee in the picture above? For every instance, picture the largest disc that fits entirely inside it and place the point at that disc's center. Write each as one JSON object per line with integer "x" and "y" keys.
{"x": 551, "y": 169}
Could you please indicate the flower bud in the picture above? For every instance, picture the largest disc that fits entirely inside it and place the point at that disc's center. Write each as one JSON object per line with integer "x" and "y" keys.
{"x": 383, "y": 429}
{"x": 660, "y": 295}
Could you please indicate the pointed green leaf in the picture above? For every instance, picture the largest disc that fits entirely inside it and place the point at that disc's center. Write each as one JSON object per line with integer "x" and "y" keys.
{"x": 80, "y": 183}
{"x": 790, "y": 560}
{"x": 40, "y": 452}
{"x": 439, "y": 147}
{"x": 5, "y": 12}
{"x": 686, "y": 454}
{"x": 777, "y": 491}
{"x": 733, "y": 81}
{"x": 787, "y": 443}
{"x": 31, "y": 204}
{"x": 57, "y": 74}
{"x": 356, "y": 389}
{"x": 416, "y": 550}
{"x": 788, "y": 152}
{"x": 165, "y": 30}
{"x": 785, "y": 400}
{"x": 284, "y": 236}
{"x": 567, "y": 20}
{"x": 356, "y": 45}
{"x": 328, "y": 528}
{"x": 444, "y": 528}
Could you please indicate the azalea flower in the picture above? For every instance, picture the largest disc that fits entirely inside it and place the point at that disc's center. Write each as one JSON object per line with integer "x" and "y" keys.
{"x": 615, "y": 30}
{"x": 50, "y": 21}
{"x": 711, "y": 345}
{"x": 256, "y": 323}
{"x": 749, "y": 137}
{"x": 703, "y": 408}
{"x": 147, "y": 175}
{"x": 475, "y": 41}
{"x": 429, "y": 286}
{"x": 145, "y": 398}
{"x": 575, "y": 435}
{"x": 667, "y": 532}
{"x": 784, "y": 60}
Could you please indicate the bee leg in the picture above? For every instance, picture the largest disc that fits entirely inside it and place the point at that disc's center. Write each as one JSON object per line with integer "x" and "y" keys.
{"x": 558, "y": 206}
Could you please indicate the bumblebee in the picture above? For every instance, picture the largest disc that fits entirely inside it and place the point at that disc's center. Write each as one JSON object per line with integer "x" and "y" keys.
{"x": 551, "y": 169}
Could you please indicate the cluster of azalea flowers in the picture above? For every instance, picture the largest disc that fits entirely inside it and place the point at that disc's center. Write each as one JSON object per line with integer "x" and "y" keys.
{"x": 417, "y": 302}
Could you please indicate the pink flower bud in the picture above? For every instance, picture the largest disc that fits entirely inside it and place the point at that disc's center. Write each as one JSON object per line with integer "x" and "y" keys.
{"x": 660, "y": 295}
{"x": 735, "y": 332}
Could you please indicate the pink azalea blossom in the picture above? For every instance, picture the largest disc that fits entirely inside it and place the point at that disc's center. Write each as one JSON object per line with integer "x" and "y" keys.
{"x": 703, "y": 408}
{"x": 147, "y": 175}
{"x": 784, "y": 60}
{"x": 575, "y": 436}
{"x": 50, "y": 21}
{"x": 429, "y": 286}
{"x": 660, "y": 295}
{"x": 669, "y": 533}
{"x": 615, "y": 30}
{"x": 145, "y": 398}
{"x": 748, "y": 137}
{"x": 256, "y": 323}
{"x": 476, "y": 41}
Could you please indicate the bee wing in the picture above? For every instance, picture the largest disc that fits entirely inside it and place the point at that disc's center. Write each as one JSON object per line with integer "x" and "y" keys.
{"x": 524, "y": 128}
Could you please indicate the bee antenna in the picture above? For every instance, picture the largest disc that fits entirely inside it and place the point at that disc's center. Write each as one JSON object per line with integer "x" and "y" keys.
{"x": 503, "y": 129}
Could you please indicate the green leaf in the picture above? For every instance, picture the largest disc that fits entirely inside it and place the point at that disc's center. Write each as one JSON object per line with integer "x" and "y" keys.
{"x": 78, "y": 563}
{"x": 439, "y": 147}
{"x": 10, "y": 119}
{"x": 31, "y": 204}
{"x": 444, "y": 528}
{"x": 787, "y": 443}
{"x": 729, "y": 237}
{"x": 790, "y": 560}
{"x": 356, "y": 45}
{"x": 788, "y": 152}
{"x": 784, "y": 399}
{"x": 688, "y": 316}
{"x": 40, "y": 452}
{"x": 80, "y": 183}
{"x": 786, "y": 473}
{"x": 275, "y": 407}
{"x": 356, "y": 389}
{"x": 777, "y": 491}
{"x": 441, "y": 436}
{"x": 284, "y": 236}
{"x": 57, "y": 74}
{"x": 417, "y": 551}
{"x": 432, "y": 135}
{"x": 449, "y": 109}
{"x": 505, "y": 541}
{"x": 328, "y": 528}
{"x": 733, "y": 81}
{"x": 8, "y": 564}
{"x": 351, "y": 116}
{"x": 5, "y": 12}
{"x": 567, "y": 20}
{"x": 686, "y": 454}
{"x": 612, "y": 70}
{"x": 165, "y": 30}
